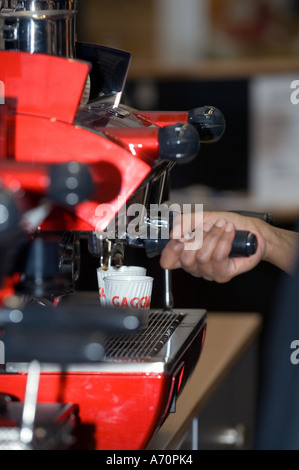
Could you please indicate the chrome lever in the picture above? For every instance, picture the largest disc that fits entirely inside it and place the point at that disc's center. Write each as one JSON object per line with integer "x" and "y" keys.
{"x": 30, "y": 403}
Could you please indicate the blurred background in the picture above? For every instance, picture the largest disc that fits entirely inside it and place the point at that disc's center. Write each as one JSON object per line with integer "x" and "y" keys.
{"x": 195, "y": 29}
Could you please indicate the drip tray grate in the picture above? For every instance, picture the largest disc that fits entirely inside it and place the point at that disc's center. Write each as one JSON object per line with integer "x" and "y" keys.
{"x": 146, "y": 343}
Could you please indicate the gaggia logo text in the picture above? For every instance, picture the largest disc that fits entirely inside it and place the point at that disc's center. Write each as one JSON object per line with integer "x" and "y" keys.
{"x": 136, "y": 302}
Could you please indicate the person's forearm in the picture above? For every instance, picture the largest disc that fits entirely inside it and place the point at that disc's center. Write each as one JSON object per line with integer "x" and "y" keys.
{"x": 282, "y": 248}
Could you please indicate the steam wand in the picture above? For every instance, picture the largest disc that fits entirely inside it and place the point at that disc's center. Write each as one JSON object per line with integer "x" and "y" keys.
{"x": 168, "y": 299}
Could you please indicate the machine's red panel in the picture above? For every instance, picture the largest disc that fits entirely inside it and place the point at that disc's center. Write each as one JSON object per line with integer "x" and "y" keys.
{"x": 43, "y": 85}
{"x": 116, "y": 411}
{"x": 116, "y": 172}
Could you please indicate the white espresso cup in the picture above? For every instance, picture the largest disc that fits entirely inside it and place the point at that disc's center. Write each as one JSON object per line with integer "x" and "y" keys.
{"x": 130, "y": 292}
{"x": 114, "y": 271}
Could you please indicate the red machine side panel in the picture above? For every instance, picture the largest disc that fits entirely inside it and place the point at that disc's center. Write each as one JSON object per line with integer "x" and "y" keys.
{"x": 116, "y": 411}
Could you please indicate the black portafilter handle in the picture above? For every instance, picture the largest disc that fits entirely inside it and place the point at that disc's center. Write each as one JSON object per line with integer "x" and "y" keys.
{"x": 244, "y": 244}
{"x": 265, "y": 216}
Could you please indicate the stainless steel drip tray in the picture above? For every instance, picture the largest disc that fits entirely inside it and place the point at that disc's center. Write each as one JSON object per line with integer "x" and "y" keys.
{"x": 146, "y": 344}
{"x": 160, "y": 341}
{"x": 152, "y": 350}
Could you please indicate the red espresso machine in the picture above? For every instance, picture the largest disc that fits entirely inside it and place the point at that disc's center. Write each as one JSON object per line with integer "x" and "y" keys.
{"x": 71, "y": 158}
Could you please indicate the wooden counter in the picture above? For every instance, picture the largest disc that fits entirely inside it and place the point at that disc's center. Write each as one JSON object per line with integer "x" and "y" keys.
{"x": 212, "y": 69}
{"x": 228, "y": 336}
{"x": 285, "y": 212}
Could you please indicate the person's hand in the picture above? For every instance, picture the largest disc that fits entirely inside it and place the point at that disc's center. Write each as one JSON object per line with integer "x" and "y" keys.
{"x": 211, "y": 261}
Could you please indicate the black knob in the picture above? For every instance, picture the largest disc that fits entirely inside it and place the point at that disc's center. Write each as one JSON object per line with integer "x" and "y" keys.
{"x": 71, "y": 183}
{"x": 209, "y": 123}
{"x": 178, "y": 143}
{"x": 4, "y": 401}
{"x": 9, "y": 218}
